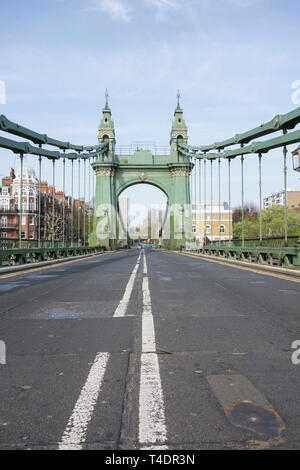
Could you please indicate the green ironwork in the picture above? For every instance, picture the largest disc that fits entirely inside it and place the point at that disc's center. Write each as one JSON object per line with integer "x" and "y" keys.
{"x": 64, "y": 198}
{"x": 288, "y": 256}
{"x": 260, "y": 198}
{"x": 40, "y": 199}
{"x": 171, "y": 173}
{"x": 53, "y": 203}
{"x": 21, "y": 255}
{"x": 84, "y": 199}
{"x": 21, "y": 201}
{"x": 72, "y": 206}
{"x": 285, "y": 191}
{"x": 211, "y": 198}
{"x": 229, "y": 195}
{"x": 219, "y": 180}
{"x": 115, "y": 173}
{"x": 243, "y": 200}
{"x": 79, "y": 206}
{"x": 205, "y": 200}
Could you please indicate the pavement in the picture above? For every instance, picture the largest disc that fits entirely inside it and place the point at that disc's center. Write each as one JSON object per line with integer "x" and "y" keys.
{"x": 149, "y": 350}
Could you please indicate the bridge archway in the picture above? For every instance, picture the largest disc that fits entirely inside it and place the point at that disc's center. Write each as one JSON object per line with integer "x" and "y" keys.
{"x": 143, "y": 213}
{"x": 117, "y": 172}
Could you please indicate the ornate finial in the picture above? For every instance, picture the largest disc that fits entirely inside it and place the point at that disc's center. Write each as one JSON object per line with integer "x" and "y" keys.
{"x": 106, "y": 96}
{"x": 178, "y": 97}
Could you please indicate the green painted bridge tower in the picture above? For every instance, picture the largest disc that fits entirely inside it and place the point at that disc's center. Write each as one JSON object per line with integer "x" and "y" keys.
{"x": 115, "y": 173}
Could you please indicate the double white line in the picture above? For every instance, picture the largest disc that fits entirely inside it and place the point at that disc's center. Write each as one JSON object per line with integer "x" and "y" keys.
{"x": 152, "y": 427}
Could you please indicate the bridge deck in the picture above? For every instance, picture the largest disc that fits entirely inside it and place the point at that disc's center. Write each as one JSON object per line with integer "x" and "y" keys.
{"x": 116, "y": 352}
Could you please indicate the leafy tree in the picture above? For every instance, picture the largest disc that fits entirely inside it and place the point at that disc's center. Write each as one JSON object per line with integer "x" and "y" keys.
{"x": 272, "y": 223}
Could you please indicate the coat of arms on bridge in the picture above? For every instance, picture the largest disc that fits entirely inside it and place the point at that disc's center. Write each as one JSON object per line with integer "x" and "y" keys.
{"x": 143, "y": 176}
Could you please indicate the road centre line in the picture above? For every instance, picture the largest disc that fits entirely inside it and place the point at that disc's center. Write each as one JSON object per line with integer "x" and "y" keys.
{"x": 152, "y": 425}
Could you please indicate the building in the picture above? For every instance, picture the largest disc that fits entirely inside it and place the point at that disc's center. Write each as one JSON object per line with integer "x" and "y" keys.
{"x": 10, "y": 207}
{"x": 10, "y": 204}
{"x": 296, "y": 159}
{"x": 212, "y": 221}
{"x": 278, "y": 199}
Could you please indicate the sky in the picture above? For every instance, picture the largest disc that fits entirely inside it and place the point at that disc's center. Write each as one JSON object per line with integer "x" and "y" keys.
{"x": 234, "y": 62}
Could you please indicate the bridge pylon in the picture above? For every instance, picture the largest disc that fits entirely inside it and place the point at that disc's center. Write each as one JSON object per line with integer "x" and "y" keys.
{"x": 115, "y": 173}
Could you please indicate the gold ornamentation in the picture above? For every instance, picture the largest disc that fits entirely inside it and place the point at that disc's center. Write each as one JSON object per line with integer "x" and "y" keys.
{"x": 180, "y": 173}
{"x": 105, "y": 172}
{"x": 143, "y": 176}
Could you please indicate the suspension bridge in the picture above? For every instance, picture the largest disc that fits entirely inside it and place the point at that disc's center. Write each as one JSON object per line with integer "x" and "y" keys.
{"x": 161, "y": 350}
{"x": 171, "y": 172}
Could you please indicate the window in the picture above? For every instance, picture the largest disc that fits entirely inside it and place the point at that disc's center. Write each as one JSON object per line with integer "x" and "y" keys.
{"x": 31, "y": 206}
{"x": 194, "y": 229}
{"x": 5, "y": 191}
{"x": 31, "y": 220}
{"x": 4, "y": 235}
{"x": 222, "y": 228}
{"x": 23, "y": 235}
{"x": 23, "y": 219}
{"x": 4, "y": 221}
{"x": 207, "y": 229}
{"x": 4, "y": 205}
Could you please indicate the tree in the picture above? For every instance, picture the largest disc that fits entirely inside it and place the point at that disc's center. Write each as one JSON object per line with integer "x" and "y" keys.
{"x": 250, "y": 212}
{"x": 272, "y": 223}
{"x": 50, "y": 227}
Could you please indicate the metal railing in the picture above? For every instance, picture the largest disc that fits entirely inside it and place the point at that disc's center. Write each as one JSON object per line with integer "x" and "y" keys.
{"x": 254, "y": 242}
{"x": 136, "y": 146}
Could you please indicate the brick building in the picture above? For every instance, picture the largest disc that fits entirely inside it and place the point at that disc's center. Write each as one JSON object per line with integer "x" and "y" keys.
{"x": 10, "y": 205}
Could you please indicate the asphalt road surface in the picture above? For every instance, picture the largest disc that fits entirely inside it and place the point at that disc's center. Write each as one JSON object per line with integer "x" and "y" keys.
{"x": 149, "y": 350}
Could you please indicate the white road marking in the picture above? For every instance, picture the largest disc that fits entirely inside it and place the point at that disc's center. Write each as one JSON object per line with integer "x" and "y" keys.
{"x": 148, "y": 332}
{"x": 145, "y": 264}
{"x": 152, "y": 426}
{"x": 75, "y": 433}
{"x": 122, "y": 307}
{"x": 220, "y": 285}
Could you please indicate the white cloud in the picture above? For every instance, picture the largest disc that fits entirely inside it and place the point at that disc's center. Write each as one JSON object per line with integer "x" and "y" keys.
{"x": 168, "y": 4}
{"x": 164, "y": 7}
{"x": 115, "y": 8}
